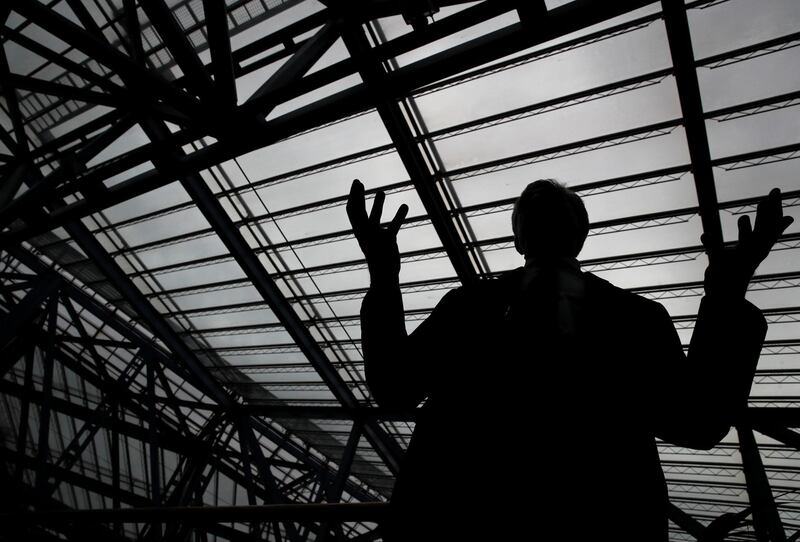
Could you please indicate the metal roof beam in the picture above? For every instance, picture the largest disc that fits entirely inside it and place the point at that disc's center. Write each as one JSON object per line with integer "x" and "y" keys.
{"x": 781, "y": 434}
{"x": 755, "y": 416}
{"x": 142, "y": 155}
{"x": 28, "y": 309}
{"x": 85, "y": 40}
{"x": 683, "y": 60}
{"x": 252, "y": 449}
{"x": 306, "y": 513}
{"x": 354, "y": 100}
{"x": 334, "y": 107}
{"x": 445, "y": 282}
{"x": 34, "y": 84}
{"x": 21, "y": 146}
{"x": 685, "y": 521}
{"x": 218, "y": 218}
{"x": 15, "y": 35}
{"x": 23, "y": 497}
{"x": 94, "y": 485}
{"x": 182, "y": 50}
{"x": 155, "y": 321}
{"x": 181, "y": 444}
{"x": 766, "y": 519}
{"x": 374, "y": 76}
{"x": 294, "y": 68}
{"x": 71, "y": 163}
{"x": 145, "y": 343}
{"x": 219, "y": 43}
{"x": 170, "y": 439}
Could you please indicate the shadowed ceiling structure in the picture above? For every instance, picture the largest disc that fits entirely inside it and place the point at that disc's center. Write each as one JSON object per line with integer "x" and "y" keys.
{"x": 180, "y": 288}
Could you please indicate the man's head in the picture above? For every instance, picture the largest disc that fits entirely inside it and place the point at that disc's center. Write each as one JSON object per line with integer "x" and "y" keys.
{"x": 549, "y": 221}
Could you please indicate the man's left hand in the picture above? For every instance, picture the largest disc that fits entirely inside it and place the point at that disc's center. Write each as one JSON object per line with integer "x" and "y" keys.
{"x": 730, "y": 270}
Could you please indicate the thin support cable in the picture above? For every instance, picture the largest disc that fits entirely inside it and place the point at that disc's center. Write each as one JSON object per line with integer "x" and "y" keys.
{"x": 308, "y": 274}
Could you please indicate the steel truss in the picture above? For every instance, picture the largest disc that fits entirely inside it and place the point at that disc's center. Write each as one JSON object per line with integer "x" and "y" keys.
{"x": 76, "y": 318}
{"x": 202, "y": 450}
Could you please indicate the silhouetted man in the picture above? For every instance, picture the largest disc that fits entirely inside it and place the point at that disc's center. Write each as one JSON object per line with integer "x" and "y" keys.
{"x": 544, "y": 389}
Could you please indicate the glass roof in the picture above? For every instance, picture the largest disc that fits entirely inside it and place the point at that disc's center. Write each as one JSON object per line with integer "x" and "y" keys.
{"x": 206, "y": 284}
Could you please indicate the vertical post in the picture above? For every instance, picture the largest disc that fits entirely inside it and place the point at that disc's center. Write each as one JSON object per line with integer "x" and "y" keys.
{"x": 76, "y": 321}
{"x": 248, "y": 473}
{"x": 22, "y": 433}
{"x": 346, "y": 462}
{"x": 219, "y": 43}
{"x": 131, "y": 19}
{"x": 766, "y": 519}
{"x": 155, "y": 473}
{"x": 115, "y": 461}
{"x": 43, "y": 448}
{"x": 337, "y": 488}
{"x": 248, "y": 438}
{"x": 22, "y": 148}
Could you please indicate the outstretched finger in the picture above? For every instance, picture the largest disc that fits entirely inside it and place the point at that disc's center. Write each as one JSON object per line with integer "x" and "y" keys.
{"x": 776, "y": 207}
{"x": 745, "y": 228}
{"x": 397, "y": 221}
{"x": 377, "y": 208}
{"x": 769, "y": 212}
{"x": 356, "y": 210}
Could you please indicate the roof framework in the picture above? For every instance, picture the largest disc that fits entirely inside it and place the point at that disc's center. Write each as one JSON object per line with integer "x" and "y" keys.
{"x": 180, "y": 288}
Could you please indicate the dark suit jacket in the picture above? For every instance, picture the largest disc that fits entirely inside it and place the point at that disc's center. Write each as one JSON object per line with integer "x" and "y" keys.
{"x": 527, "y": 437}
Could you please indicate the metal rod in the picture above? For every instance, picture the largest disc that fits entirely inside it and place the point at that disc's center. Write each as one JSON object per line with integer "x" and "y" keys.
{"x": 294, "y": 513}
{"x": 680, "y": 44}
{"x": 219, "y": 43}
{"x": 375, "y": 77}
{"x": 766, "y": 519}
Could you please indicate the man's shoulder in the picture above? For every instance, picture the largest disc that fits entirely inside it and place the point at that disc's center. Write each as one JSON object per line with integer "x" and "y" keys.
{"x": 603, "y": 291}
{"x": 504, "y": 285}
{"x": 484, "y": 289}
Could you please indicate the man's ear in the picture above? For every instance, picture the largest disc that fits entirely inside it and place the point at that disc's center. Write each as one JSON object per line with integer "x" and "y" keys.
{"x": 518, "y": 245}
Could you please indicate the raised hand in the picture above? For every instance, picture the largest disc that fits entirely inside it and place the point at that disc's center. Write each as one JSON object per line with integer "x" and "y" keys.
{"x": 378, "y": 243}
{"x": 730, "y": 270}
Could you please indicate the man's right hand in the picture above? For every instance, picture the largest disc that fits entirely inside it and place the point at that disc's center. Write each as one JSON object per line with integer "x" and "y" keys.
{"x": 378, "y": 243}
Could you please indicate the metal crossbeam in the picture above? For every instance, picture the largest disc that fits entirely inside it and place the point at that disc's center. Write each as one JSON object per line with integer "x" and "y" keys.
{"x": 28, "y": 309}
{"x": 680, "y": 44}
{"x": 560, "y": 21}
{"x": 338, "y": 513}
{"x": 219, "y": 42}
{"x": 151, "y": 98}
{"x": 34, "y": 84}
{"x": 86, "y": 302}
{"x": 294, "y": 68}
{"x": 767, "y": 521}
{"x": 83, "y": 39}
{"x": 685, "y": 521}
{"x": 375, "y": 77}
{"x": 218, "y": 218}
{"x": 182, "y": 51}
{"x": 21, "y": 145}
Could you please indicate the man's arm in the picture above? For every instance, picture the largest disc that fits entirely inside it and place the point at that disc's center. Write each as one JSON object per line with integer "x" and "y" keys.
{"x": 387, "y": 358}
{"x": 702, "y": 395}
{"x": 401, "y": 369}
{"x": 699, "y": 396}
{"x": 396, "y": 365}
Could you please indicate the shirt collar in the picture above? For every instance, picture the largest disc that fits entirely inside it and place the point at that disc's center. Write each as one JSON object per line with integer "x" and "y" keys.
{"x": 558, "y": 264}
{"x": 568, "y": 275}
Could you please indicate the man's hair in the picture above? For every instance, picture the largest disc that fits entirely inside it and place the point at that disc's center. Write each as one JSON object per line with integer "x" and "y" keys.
{"x": 549, "y": 219}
